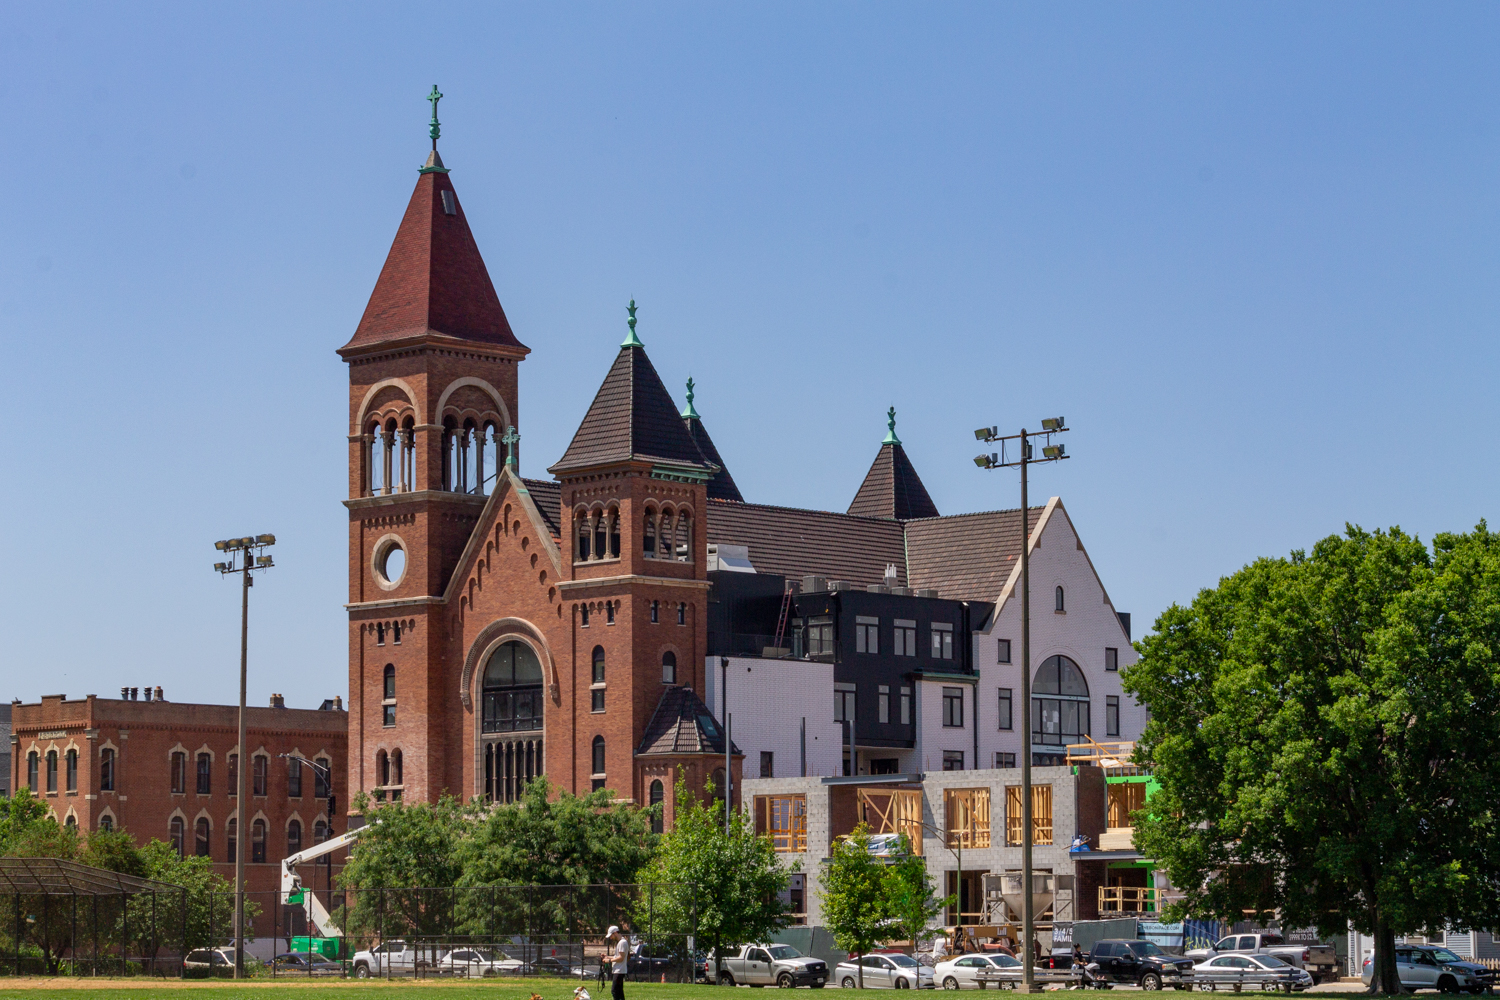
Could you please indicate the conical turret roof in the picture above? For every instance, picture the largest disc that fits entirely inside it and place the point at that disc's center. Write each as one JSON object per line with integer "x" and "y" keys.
{"x": 892, "y": 489}
{"x": 434, "y": 281}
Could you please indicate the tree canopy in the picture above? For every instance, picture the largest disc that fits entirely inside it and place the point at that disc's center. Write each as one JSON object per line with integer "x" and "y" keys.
{"x": 855, "y": 897}
{"x": 1325, "y": 729}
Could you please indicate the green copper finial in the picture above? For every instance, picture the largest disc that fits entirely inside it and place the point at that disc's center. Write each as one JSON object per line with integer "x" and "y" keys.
{"x": 510, "y": 440}
{"x": 890, "y": 435}
{"x": 631, "y": 340}
{"x": 690, "y": 413}
{"x": 435, "y": 129}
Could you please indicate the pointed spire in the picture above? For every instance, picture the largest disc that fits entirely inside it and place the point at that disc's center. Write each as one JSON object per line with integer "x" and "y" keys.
{"x": 434, "y": 164}
{"x": 631, "y": 340}
{"x": 721, "y": 486}
{"x": 890, "y": 434}
{"x": 690, "y": 413}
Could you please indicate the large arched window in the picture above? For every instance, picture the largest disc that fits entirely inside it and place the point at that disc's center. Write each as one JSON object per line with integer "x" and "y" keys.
{"x": 511, "y": 732}
{"x": 658, "y": 793}
{"x": 598, "y": 763}
{"x": 1059, "y": 703}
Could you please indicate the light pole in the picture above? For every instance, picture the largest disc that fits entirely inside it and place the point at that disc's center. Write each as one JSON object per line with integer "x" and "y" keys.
{"x": 243, "y": 558}
{"x": 1001, "y": 460}
{"x": 327, "y": 772}
{"x": 958, "y": 853}
{"x": 728, "y": 747}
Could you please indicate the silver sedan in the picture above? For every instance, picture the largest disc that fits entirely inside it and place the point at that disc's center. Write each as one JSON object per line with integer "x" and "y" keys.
{"x": 959, "y": 973}
{"x": 1265, "y": 972}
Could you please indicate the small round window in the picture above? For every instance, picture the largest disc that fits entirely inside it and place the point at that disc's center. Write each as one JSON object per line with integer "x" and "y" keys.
{"x": 390, "y": 564}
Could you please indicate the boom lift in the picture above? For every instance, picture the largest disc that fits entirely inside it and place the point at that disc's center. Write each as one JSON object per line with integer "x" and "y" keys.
{"x": 292, "y": 891}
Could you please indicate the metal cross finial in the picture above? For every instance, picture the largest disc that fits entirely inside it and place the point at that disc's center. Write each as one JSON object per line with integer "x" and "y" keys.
{"x": 890, "y": 436}
{"x": 631, "y": 340}
{"x": 434, "y": 130}
{"x": 690, "y": 413}
{"x": 510, "y": 440}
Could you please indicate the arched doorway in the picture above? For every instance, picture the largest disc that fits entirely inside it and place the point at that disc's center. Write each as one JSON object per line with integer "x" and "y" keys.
{"x": 511, "y": 713}
{"x": 1059, "y": 703}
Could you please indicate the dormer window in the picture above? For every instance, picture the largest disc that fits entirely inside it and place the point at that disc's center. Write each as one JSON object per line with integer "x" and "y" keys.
{"x": 450, "y": 204}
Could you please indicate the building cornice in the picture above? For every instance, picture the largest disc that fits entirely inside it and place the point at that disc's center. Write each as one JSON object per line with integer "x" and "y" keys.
{"x": 365, "y": 503}
{"x": 633, "y": 578}
{"x": 404, "y": 602}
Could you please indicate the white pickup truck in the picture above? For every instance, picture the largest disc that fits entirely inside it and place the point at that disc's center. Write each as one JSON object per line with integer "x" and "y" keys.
{"x": 395, "y": 958}
{"x": 771, "y": 965}
{"x": 1318, "y": 959}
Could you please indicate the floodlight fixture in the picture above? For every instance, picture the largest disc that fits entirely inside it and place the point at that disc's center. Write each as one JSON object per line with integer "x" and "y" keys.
{"x": 246, "y": 542}
{"x": 265, "y": 539}
{"x": 1054, "y": 423}
{"x": 221, "y": 567}
{"x": 262, "y": 562}
{"x": 986, "y": 433}
{"x": 221, "y": 546}
{"x": 986, "y": 461}
{"x": 1054, "y": 451}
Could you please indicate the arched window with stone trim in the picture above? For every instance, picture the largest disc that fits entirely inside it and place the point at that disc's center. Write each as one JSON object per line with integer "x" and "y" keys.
{"x": 177, "y": 831}
{"x": 511, "y": 713}
{"x": 408, "y": 462}
{"x": 451, "y": 455}
{"x": 51, "y": 770}
{"x": 258, "y": 841}
{"x": 683, "y": 534}
{"x": 202, "y": 833}
{"x": 657, "y": 799}
{"x": 106, "y": 822}
{"x": 231, "y": 842}
{"x": 584, "y": 535}
{"x": 33, "y": 769}
{"x": 375, "y": 457}
{"x": 71, "y": 770}
{"x": 294, "y": 837}
{"x": 599, "y": 527}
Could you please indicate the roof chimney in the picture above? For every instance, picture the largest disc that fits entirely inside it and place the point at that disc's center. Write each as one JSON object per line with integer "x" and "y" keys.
{"x": 158, "y": 693}
{"x": 125, "y": 694}
{"x": 148, "y": 692}
{"x": 338, "y": 703}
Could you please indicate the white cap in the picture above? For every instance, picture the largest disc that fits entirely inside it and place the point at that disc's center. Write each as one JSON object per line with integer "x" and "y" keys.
{"x": 613, "y": 930}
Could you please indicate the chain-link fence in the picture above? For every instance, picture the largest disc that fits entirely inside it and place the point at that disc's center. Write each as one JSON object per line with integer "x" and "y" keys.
{"x": 471, "y": 932}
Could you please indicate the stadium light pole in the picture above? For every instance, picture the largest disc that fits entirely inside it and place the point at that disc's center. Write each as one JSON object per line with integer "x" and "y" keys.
{"x": 1002, "y": 460}
{"x": 245, "y": 555}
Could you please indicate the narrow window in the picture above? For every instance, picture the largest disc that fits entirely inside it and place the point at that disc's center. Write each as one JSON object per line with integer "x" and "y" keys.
{"x": 205, "y": 773}
{"x": 258, "y": 842}
{"x": 396, "y": 633}
{"x": 583, "y": 616}
{"x": 866, "y": 634}
{"x": 178, "y": 834}
{"x": 396, "y": 767}
{"x": 1061, "y": 604}
{"x": 1004, "y": 760}
{"x": 294, "y": 837}
{"x": 388, "y": 715}
{"x": 390, "y": 680}
{"x": 682, "y": 614}
{"x": 906, "y": 637}
{"x": 1112, "y": 715}
{"x": 883, "y": 703}
{"x": 1004, "y": 647}
{"x": 609, "y": 612}
{"x": 655, "y": 612}
{"x": 382, "y": 768}
{"x": 614, "y": 532}
{"x": 584, "y": 538}
{"x": 320, "y": 779}
{"x": 293, "y": 779}
{"x": 320, "y": 832}
{"x": 648, "y": 540}
{"x": 200, "y": 837}
{"x": 953, "y": 707}
{"x": 179, "y": 772}
{"x": 232, "y": 832}
{"x": 32, "y": 762}
{"x": 380, "y": 634}
{"x": 1005, "y": 709}
{"x": 767, "y": 764}
{"x": 234, "y": 774}
{"x": 669, "y": 667}
{"x": 598, "y": 763}
{"x": 107, "y": 770}
{"x": 596, "y": 689}
{"x": 258, "y": 766}
{"x": 1111, "y": 658}
{"x": 52, "y": 770}
{"x": 388, "y": 703}
{"x": 942, "y": 641}
{"x": 658, "y": 794}
{"x": 953, "y": 760}
{"x": 843, "y": 703}
{"x": 905, "y": 706}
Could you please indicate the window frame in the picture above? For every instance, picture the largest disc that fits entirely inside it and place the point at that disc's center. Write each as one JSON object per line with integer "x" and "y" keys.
{"x": 883, "y": 704}
{"x": 1041, "y": 815}
{"x": 905, "y": 704}
{"x": 1111, "y": 658}
{"x": 51, "y": 772}
{"x": 668, "y": 667}
{"x": 867, "y": 635}
{"x": 966, "y": 817}
{"x": 1004, "y": 760}
{"x": 107, "y": 761}
{"x": 70, "y": 772}
{"x": 1002, "y": 651}
{"x": 260, "y": 775}
{"x": 942, "y": 640}
{"x": 904, "y": 637}
{"x": 1061, "y": 601}
{"x": 953, "y": 708}
{"x": 1006, "y": 710}
{"x": 1112, "y": 715}
{"x": 768, "y": 763}
{"x": 203, "y": 773}
{"x": 951, "y": 758}
{"x": 782, "y": 819}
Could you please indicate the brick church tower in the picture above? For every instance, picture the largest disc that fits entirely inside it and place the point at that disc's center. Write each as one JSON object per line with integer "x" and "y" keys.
{"x": 503, "y": 628}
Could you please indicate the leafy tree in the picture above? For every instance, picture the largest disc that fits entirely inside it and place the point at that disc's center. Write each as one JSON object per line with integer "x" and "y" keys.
{"x": 18, "y": 814}
{"x": 736, "y": 877}
{"x": 909, "y": 897}
{"x": 856, "y": 897}
{"x": 1324, "y": 729}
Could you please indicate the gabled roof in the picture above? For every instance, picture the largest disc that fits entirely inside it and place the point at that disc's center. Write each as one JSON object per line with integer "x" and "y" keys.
{"x": 797, "y": 543}
{"x": 892, "y": 488}
{"x": 433, "y": 281}
{"x": 721, "y": 486}
{"x": 631, "y": 417}
{"x": 965, "y": 557}
{"x": 547, "y": 495}
{"x": 683, "y": 724}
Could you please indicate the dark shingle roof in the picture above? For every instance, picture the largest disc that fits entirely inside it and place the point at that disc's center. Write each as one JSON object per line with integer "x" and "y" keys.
{"x": 893, "y": 489}
{"x": 721, "y": 486}
{"x": 632, "y": 417}
{"x": 547, "y": 495}
{"x": 434, "y": 280}
{"x": 682, "y": 724}
{"x": 797, "y": 543}
{"x": 965, "y": 557}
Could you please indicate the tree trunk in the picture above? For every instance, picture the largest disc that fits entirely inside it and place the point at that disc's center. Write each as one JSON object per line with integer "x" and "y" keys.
{"x": 1383, "y": 975}
{"x": 860, "y": 970}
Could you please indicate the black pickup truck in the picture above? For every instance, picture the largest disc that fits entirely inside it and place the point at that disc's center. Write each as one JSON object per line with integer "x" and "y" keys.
{"x": 1140, "y": 963}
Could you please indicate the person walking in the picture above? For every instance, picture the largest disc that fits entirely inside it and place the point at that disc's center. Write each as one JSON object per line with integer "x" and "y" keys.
{"x": 620, "y": 947}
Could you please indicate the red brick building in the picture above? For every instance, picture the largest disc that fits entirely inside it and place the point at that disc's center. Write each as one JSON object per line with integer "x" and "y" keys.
{"x": 166, "y": 770}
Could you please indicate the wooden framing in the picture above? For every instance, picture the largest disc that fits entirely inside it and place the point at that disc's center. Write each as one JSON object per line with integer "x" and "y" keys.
{"x": 967, "y": 814}
{"x": 893, "y": 810}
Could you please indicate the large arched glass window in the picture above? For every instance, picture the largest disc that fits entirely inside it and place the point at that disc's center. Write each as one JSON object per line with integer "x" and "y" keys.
{"x": 1059, "y": 703}
{"x": 658, "y": 793}
{"x": 512, "y": 689}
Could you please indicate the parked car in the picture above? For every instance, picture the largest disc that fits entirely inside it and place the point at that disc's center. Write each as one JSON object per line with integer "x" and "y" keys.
{"x": 394, "y": 958}
{"x": 219, "y": 959}
{"x": 772, "y": 964}
{"x": 1433, "y": 967}
{"x": 885, "y": 972}
{"x": 306, "y": 964}
{"x": 1140, "y": 963}
{"x": 958, "y": 973}
{"x": 1235, "y": 972}
{"x": 652, "y": 960}
{"x": 476, "y": 963}
{"x": 1319, "y": 960}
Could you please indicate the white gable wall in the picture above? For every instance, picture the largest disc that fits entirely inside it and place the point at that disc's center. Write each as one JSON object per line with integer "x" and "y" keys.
{"x": 1082, "y": 633}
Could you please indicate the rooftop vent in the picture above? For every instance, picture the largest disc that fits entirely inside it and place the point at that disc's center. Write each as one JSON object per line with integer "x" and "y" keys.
{"x": 814, "y": 584}
{"x": 901, "y": 591}
{"x": 838, "y": 584}
{"x": 927, "y": 592}
{"x": 729, "y": 559}
{"x": 277, "y": 701}
{"x": 878, "y": 588}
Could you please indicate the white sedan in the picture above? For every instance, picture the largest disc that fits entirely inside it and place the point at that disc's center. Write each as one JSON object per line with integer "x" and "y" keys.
{"x": 958, "y": 973}
{"x": 885, "y": 971}
{"x": 478, "y": 962}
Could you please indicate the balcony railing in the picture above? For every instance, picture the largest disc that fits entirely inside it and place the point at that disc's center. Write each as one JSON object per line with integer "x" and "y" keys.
{"x": 1126, "y": 899}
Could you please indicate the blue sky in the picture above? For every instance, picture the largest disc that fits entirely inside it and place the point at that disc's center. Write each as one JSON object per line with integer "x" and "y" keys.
{"x": 1248, "y": 250}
